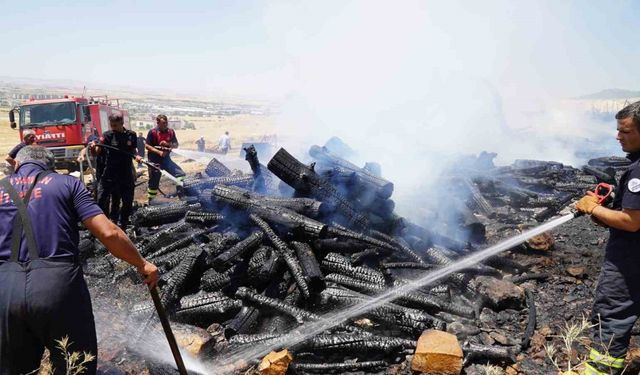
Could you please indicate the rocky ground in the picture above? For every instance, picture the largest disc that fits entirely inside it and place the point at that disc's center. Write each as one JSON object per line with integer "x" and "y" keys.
{"x": 562, "y": 299}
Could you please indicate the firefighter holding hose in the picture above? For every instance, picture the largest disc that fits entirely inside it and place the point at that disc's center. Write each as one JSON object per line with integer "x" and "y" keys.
{"x": 44, "y": 296}
{"x": 117, "y": 178}
{"x": 165, "y": 138}
{"x": 616, "y": 304}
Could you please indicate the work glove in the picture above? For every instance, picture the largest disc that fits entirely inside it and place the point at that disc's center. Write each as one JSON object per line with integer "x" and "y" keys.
{"x": 587, "y": 204}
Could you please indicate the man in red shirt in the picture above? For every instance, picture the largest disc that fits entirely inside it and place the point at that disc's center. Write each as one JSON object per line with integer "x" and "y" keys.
{"x": 164, "y": 137}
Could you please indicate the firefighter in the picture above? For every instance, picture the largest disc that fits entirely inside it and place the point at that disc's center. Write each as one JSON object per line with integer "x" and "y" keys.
{"x": 44, "y": 296}
{"x": 117, "y": 179}
{"x": 164, "y": 137}
{"x": 617, "y": 301}
{"x": 29, "y": 138}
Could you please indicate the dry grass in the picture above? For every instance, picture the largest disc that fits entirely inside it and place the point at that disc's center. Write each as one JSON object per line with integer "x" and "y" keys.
{"x": 76, "y": 362}
{"x": 241, "y": 128}
{"x": 8, "y": 137}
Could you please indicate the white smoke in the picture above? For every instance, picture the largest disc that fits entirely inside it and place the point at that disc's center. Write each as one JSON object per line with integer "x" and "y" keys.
{"x": 408, "y": 84}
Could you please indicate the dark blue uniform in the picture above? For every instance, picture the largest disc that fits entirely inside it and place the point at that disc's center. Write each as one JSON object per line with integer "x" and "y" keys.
{"x": 43, "y": 295}
{"x": 18, "y": 147}
{"x": 117, "y": 179}
{"x": 617, "y": 302}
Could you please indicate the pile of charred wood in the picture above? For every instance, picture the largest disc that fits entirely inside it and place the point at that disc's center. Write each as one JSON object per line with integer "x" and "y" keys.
{"x": 255, "y": 255}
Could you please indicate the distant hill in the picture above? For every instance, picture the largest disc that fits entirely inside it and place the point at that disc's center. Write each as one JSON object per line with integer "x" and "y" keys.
{"x": 612, "y": 94}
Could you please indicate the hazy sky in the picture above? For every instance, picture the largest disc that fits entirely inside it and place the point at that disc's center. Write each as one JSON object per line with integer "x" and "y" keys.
{"x": 558, "y": 48}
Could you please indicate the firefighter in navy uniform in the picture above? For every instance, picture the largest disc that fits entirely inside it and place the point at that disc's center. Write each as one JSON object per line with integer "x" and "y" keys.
{"x": 164, "y": 137}
{"x": 44, "y": 296}
{"x": 616, "y": 304}
{"x": 117, "y": 178}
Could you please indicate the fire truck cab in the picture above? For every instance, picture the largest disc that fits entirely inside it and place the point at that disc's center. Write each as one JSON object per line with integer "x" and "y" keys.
{"x": 64, "y": 125}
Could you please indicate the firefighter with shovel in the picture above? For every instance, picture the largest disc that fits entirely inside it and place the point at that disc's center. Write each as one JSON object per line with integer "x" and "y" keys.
{"x": 44, "y": 296}
{"x": 616, "y": 304}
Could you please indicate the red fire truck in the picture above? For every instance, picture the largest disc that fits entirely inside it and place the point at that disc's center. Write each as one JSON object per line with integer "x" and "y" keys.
{"x": 63, "y": 125}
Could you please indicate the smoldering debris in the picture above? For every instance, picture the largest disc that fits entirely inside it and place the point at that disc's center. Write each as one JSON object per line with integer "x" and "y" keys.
{"x": 246, "y": 260}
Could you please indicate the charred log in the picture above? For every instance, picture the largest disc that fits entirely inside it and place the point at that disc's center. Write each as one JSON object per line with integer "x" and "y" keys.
{"x": 305, "y": 206}
{"x": 606, "y": 176}
{"x": 324, "y": 368}
{"x": 163, "y": 238}
{"x": 529, "y": 276}
{"x": 286, "y": 253}
{"x": 178, "y": 244}
{"x": 477, "y": 353}
{"x": 357, "y": 343}
{"x": 409, "y": 320}
{"x": 180, "y": 276}
{"x": 252, "y": 339}
{"x": 195, "y": 186}
{"x": 479, "y": 201}
{"x": 203, "y": 218}
{"x": 264, "y": 265}
{"x": 274, "y": 214}
{"x": 216, "y": 169}
{"x": 531, "y": 321}
{"x": 254, "y": 298}
{"x": 401, "y": 245}
{"x": 364, "y": 178}
{"x": 243, "y": 322}
{"x": 237, "y": 251}
{"x": 202, "y": 309}
{"x": 339, "y": 245}
{"x": 158, "y": 215}
{"x": 305, "y": 180}
{"x": 310, "y": 266}
{"x": 337, "y": 263}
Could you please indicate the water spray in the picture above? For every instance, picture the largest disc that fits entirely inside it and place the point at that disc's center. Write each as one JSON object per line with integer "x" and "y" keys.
{"x": 332, "y": 319}
{"x": 164, "y": 320}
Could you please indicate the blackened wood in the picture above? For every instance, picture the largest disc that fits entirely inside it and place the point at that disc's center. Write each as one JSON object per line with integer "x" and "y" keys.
{"x": 479, "y": 201}
{"x": 326, "y": 245}
{"x": 305, "y": 206}
{"x": 333, "y": 262}
{"x": 364, "y": 178}
{"x": 194, "y": 186}
{"x": 157, "y": 215}
{"x": 204, "y": 308}
{"x": 531, "y": 321}
{"x": 272, "y": 213}
{"x": 203, "y": 218}
{"x": 358, "y": 343}
{"x": 244, "y": 322}
{"x": 304, "y": 179}
{"x": 606, "y": 176}
{"x": 171, "y": 291}
{"x": 324, "y": 368}
{"x": 484, "y": 353}
{"x": 216, "y": 169}
{"x": 254, "y": 298}
{"x": 264, "y": 266}
{"x": 310, "y": 266}
{"x": 286, "y": 253}
{"x": 237, "y": 251}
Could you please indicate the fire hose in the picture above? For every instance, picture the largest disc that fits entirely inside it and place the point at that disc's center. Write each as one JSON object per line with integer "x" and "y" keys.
{"x": 145, "y": 162}
{"x": 603, "y": 192}
{"x": 164, "y": 320}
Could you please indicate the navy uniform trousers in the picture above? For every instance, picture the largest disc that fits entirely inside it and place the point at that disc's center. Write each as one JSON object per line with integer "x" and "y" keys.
{"x": 41, "y": 300}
